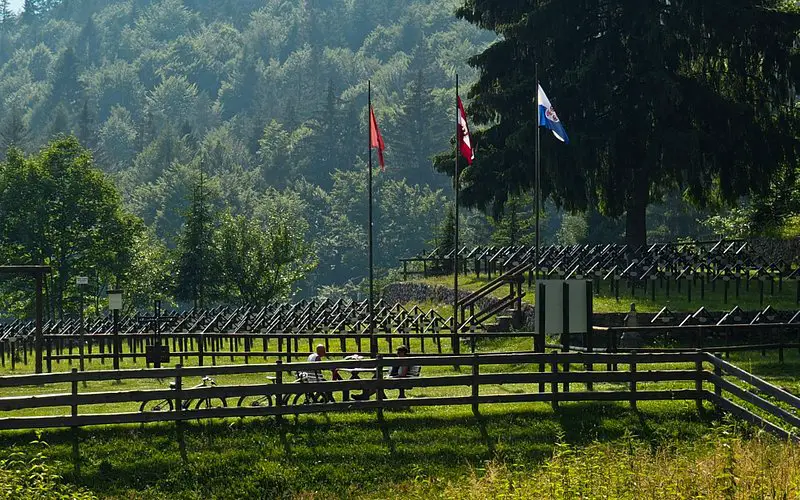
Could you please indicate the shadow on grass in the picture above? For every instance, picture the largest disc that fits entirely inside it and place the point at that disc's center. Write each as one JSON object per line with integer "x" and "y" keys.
{"x": 345, "y": 453}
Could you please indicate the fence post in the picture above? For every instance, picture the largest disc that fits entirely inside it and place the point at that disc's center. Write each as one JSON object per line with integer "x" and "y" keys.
{"x": 698, "y": 382}
{"x": 179, "y": 412}
{"x": 589, "y": 329}
{"x": 379, "y": 385}
{"x": 565, "y": 335}
{"x": 49, "y": 348}
{"x": 633, "y": 382}
{"x": 554, "y": 382}
{"x": 279, "y": 396}
{"x": 539, "y": 338}
{"x": 76, "y": 456}
{"x": 717, "y": 387}
{"x": 200, "y": 349}
{"x": 475, "y": 386}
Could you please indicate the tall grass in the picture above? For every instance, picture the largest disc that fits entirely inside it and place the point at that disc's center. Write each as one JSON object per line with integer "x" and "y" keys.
{"x": 722, "y": 465}
{"x": 29, "y": 475}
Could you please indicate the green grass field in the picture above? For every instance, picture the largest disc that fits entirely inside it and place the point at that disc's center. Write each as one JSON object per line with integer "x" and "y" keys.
{"x": 594, "y": 450}
{"x": 606, "y": 302}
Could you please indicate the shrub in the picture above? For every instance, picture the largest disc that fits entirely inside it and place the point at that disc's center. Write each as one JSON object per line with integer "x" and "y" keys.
{"x": 28, "y": 475}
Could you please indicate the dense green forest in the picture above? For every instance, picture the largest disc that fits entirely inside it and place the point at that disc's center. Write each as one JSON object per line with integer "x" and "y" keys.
{"x": 263, "y": 101}
{"x": 227, "y": 141}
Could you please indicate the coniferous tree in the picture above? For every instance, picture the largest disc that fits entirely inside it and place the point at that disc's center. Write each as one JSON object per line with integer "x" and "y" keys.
{"x": 197, "y": 259}
{"x": 14, "y": 131}
{"x": 30, "y": 10}
{"x": 86, "y": 126}
{"x": 6, "y": 15}
{"x": 66, "y": 87}
{"x": 693, "y": 95}
{"x": 88, "y": 44}
{"x": 515, "y": 224}
{"x": 418, "y": 135}
{"x": 60, "y": 123}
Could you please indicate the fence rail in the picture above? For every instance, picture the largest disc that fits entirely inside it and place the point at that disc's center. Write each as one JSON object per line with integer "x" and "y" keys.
{"x": 554, "y": 378}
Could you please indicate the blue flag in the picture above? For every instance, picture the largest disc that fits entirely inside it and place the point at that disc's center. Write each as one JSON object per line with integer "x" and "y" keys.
{"x": 549, "y": 119}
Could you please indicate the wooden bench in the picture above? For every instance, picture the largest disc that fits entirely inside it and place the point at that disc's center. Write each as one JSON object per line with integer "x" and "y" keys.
{"x": 413, "y": 372}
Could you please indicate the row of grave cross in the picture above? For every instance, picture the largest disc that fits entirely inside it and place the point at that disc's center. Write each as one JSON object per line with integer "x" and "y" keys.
{"x": 305, "y": 316}
{"x": 725, "y": 260}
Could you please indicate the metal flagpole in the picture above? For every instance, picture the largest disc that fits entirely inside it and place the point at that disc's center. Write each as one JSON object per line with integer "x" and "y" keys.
{"x": 456, "y": 346}
{"x": 538, "y": 344}
{"x": 373, "y": 348}
{"x": 537, "y": 175}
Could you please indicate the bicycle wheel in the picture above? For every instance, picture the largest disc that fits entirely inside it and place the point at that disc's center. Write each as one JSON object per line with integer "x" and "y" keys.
{"x": 310, "y": 398}
{"x": 209, "y": 403}
{"x": 156, "y": 406}
{"x": 254, "y": 401}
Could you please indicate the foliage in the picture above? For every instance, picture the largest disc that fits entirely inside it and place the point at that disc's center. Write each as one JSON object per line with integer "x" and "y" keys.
{"x": 59, "y": 210}
{"x": 268, "y": 96}
{"x": 260, "y": 264}
{"x": 720, "y": 466}
{"x": 512, "y": 451}
{"x": 198, "y": 263}
{"x": 691, "y": 95}
{"x": 30, "y": 474}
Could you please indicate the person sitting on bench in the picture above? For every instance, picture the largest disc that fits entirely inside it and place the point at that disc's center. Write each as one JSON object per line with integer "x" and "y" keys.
{"x": 320, "y": 353}
{"x": 400, "y": 371}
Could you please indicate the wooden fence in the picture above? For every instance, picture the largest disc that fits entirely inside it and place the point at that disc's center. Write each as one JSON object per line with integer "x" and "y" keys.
{"x": 546, "y": 377}
{"x": 219, "y": 348}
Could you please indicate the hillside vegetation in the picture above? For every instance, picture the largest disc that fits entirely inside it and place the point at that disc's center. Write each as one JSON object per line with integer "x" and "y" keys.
{"x": 240, "y": 109}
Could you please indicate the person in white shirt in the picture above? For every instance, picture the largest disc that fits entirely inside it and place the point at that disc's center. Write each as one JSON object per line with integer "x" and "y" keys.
{"x": 318, "y": 355}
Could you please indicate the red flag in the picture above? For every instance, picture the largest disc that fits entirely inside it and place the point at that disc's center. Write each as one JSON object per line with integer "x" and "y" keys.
{"x": 464, "y": 139}
{"x": 375, "y": 139}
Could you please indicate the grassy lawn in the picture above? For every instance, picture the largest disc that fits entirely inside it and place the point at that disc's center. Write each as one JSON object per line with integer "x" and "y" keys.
{"x": 347, "y": 455}
{"x": 438, "y": 452}
{"x": 606, "y": 302}
{"x": 591, "y": 450}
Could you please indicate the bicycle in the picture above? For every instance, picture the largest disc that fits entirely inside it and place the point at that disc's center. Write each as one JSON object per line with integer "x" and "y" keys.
{"x": 308, "y": 398}
{"x": 256, "y": 401}
{"x": 187, "y": 404}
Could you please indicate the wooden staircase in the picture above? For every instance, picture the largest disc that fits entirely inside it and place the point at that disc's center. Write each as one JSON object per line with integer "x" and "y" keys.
{"x": 507, "y": 312}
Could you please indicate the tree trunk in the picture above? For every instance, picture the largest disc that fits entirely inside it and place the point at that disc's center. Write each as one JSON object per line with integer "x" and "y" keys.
{"x": 636, "y": 216}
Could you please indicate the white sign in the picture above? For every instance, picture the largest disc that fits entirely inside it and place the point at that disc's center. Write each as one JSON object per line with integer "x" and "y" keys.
{"x": 554, "y": 306}
{"x": 82, "y": 280}
{"x": 115, "y": 300}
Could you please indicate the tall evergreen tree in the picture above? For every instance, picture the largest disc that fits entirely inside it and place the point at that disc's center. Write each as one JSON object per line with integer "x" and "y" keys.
{"x": 418, "y": 134}
{"x": 14, "y": 131}
{"x": 60, "y": 123}
{"x": 66, "y": 87}
{"x": 6, "y": 15}
{"x": 30, "y": 10}
{"x": 693, "y": 94}
{"x": 197, "y": 263}
{"x": 86, "y": 126}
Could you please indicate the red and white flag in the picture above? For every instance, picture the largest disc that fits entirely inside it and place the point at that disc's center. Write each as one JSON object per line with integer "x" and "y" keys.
{"x": 375, "y": 139}
{"x": 464, "y": 139}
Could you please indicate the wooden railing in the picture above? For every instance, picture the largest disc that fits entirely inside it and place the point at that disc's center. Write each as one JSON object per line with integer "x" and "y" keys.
{"x": 559, "y": 378}
{"x": 710, "y": 337}
{"x": 778, "y": 415}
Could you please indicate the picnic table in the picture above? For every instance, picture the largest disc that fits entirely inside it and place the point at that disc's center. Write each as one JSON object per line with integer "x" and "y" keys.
{"x": 355, "y": 374}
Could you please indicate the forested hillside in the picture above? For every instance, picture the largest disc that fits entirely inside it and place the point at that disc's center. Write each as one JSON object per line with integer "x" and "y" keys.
{"x": 264, "y": 99}
{"x": 230, "y": 137}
